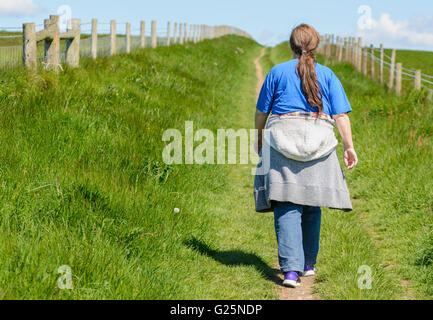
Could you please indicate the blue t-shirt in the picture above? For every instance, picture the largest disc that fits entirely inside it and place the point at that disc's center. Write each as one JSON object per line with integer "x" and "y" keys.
{"x": 282, "y": 91}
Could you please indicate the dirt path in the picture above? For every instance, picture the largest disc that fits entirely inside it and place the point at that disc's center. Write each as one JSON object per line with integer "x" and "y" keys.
{"x": 305, "y": 291}
{"x": 259, "y": 72}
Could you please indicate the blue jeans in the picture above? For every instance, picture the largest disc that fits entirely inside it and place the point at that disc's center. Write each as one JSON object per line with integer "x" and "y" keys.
{"x": 298, "y": 233}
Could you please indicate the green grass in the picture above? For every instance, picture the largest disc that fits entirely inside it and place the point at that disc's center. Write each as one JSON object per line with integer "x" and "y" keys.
{"x": 9, "y": 42}
{"x": 391, "y": 228}
{"x": 412, "y": 59}
{"x": 83, "y": 182}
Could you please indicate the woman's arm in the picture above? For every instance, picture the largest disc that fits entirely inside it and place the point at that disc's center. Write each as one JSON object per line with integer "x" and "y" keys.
{"x": 260, "y": 120}
{"x": 343, "y": 124}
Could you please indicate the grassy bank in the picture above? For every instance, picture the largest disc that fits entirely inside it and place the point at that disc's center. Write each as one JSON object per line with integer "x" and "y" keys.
{"x": 84, "y": 184}
{"x": 390, "y": 229}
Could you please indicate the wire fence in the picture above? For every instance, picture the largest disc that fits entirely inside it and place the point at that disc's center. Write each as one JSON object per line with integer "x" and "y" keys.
{"x": 12, "y": 48}
{"x": 10, "y": 57}
{"x": 350, "y": 50}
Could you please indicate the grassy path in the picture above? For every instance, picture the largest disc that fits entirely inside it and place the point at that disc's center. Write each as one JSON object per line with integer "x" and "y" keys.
{"x": 244, "y": 240}
{"x": 369, "y": 243}
{"x": 305, "y": 292}
{"x": 367, "y": 238}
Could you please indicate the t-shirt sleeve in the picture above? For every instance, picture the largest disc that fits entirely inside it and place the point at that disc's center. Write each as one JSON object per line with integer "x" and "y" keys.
{"x": 266, "y": 97}
{"x": 338, "y": 99}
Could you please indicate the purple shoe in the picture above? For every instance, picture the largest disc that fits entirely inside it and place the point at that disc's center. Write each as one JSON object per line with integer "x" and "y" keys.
{"x": 309, "y": 271}
{"x": 291, "y": 279}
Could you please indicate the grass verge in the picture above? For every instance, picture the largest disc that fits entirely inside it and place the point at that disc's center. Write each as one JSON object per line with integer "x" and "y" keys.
{"x": 84, "y": 184}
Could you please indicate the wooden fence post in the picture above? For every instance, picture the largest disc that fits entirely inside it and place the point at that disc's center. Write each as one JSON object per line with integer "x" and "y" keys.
{"x": 175, "y": 33}
{"x": 200, "y": 32}
{"x": 355, "y": 52}
{"x": 337, "y": 39}
{"x": 391, "y": 71}
{"x": 142, "y": 34}
{"x": 365, "y": 61}
{"x": 331, "y": 47}
{"x": 113, "y": 37}
{"x": 168, "y": 33}
{"x": 73, "y": 43}
{"x": 417, "y": 83}
{"x": 185, "y": 38}
{"x": 328, "y": 46}
{"x": 337, "y": 47}
{"x": 346, "y": 49}
{"x": 181, "y": 34}
{"x": 195, "y": 34}
{"x": 52, "y": 44}
{"x": 349, "y": 57}
{"x": 399, "y": 68}
{"x": 359, "y": 53}
{"x": 190, "y": 33}
{"x": 29, "y": 46}
{"x": 382, "y": 56}
{"x": 154, "y": 38}
{"x": 372, "y": 62}
{"x": 94, "y": 45}
{"x": 128, "y": 37}
{"x": 324, "y": 45}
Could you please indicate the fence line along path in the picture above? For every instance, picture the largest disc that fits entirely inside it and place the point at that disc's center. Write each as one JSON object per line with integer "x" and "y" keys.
{"x": 50, "y": 47}
{"x": 364, "y": 58}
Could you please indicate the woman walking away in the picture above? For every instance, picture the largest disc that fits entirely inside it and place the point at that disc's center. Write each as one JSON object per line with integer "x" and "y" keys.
{"x": 301, "y": 101}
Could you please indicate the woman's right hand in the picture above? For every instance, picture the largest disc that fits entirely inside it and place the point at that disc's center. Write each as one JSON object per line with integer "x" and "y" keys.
{"x": 350, "y": 158}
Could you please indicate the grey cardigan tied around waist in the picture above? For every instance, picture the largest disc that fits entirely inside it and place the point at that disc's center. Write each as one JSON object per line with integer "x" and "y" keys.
{"x": 303, "y": 164}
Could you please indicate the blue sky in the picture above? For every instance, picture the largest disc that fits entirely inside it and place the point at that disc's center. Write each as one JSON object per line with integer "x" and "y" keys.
{"x": 399, "y": 24}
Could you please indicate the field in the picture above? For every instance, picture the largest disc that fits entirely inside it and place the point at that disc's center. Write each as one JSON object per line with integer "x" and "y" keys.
{"x": 415, "y": 59}
{"x": 83, "y": 184}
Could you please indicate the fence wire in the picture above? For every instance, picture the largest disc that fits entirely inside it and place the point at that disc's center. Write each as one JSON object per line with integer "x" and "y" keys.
{"x": 11, "y": 49}
{"x": 10, "y": 57}
{"x": 407, "y": 74}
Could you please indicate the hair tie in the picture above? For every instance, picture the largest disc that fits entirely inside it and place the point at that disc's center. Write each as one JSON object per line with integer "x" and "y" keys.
{"x": 304, "y": 51}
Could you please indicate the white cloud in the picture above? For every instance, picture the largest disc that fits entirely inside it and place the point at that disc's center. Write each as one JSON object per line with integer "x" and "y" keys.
{"x": 411, "y": 34}
{"x": 18, "y": 7}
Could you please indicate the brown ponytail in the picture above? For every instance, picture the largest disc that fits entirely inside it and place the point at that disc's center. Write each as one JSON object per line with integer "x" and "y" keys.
{"x": 304, "y": 41}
